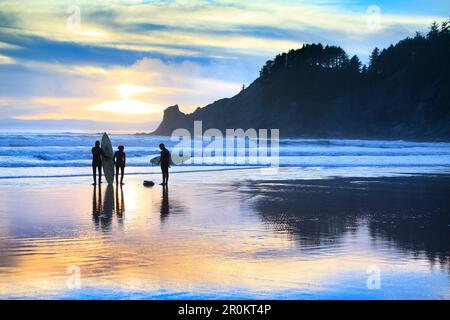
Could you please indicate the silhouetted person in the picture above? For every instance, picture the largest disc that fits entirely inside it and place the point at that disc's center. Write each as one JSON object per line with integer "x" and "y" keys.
{"x": 165, "y": 164}
{"x": 120, "y": 162}
{"x": 97, "y": 155}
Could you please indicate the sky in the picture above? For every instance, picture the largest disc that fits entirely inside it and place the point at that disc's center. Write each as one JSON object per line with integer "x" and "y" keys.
{"x": 116, "y": 65}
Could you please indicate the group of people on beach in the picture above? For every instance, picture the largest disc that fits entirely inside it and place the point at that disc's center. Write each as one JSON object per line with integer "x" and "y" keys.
{"x": 119, "y": 159}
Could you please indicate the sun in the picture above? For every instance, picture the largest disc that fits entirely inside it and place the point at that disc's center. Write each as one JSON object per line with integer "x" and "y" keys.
{"x": 128, "y": 90}
{"x": 126, "y": 106}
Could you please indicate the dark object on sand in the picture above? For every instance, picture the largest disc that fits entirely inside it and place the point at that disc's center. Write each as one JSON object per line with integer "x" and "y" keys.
{"x": 148, "y": 183}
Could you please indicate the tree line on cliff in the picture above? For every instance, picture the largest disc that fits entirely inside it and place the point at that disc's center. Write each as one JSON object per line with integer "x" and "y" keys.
{"x": 320, "y": 91}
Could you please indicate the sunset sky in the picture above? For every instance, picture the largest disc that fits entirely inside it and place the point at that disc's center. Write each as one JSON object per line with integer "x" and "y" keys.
{"x": 126, "y": 61}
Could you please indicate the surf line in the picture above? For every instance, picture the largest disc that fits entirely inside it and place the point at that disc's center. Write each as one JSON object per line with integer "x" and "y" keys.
{"x": 235, "y": 146}
{"x": 134, "y": 173}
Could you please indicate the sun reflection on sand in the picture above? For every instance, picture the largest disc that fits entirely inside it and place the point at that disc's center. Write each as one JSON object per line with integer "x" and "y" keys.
{"x": 146, "y": 239}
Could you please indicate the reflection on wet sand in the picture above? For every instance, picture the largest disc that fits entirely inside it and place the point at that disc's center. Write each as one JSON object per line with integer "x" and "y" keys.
{"x": 120, "y": 207}
{"x": 103, "y": 212}
{"x": 120, "y": 203}
{"x": 309, "y": 239}
{"x": 169, "y": 207}
{"x": 164, "y": 204}
{"x": 96, "y": 205}
{"x": 412, "y": 214}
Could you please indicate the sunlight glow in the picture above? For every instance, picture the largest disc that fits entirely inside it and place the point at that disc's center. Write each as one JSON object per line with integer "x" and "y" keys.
{"x": 128, "y": 90}
{"x": 126, "y": 106}
{"x": 93, "y": 33}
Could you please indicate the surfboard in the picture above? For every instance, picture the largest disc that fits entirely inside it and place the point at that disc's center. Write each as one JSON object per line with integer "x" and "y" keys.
{"x": 157, "y": 161}
{"x": 107, "y": 161}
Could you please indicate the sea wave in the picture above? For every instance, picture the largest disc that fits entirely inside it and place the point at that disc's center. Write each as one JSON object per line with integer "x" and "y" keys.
{"x": 56, "y": 150}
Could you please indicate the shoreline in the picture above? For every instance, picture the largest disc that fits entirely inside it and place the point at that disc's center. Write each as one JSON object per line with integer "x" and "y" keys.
{"x": 230, "y": 175}
{"x": 130, "y": 174}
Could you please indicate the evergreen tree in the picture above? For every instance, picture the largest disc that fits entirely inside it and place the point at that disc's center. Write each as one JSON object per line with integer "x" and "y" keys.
{"x": 354, "y": 65}
{"x": 434, "y": 31}
{"x": 373, "y": 60}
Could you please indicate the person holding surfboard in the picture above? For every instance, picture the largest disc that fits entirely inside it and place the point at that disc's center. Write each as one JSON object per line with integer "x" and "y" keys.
{"x": 97, "y": 154}
{"x": 120, "y": 161}
{"x": 165, "y": 163}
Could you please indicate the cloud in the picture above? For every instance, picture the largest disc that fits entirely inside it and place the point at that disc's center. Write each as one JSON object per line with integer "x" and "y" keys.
{"x": 36, "y": 48}
{"x": 167, "y": 52}
{"x": 6, "y": 60}
{"x": 77, "y": 124}
{"x": 123, "y": 31}
{"x": 204, "y": 28}
{"x": 187, "y": 83}
{"x": 139, "y": 92}
{"x": 9, "y": 20}
{"x": 126, "y": 107}
{"x": 11, "y": 108}
{"x": 127, "y": 90}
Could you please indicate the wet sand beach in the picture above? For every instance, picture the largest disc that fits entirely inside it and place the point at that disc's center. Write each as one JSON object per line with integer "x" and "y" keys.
{"x": 212, "y": 235}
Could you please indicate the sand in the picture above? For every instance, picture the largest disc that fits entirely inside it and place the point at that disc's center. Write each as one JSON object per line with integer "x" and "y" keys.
{"x": 214, "y": 235}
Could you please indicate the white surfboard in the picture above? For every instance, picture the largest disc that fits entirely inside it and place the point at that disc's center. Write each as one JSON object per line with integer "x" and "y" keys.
{"x": 157, "y": 160}
{"x": 107, "y": 161}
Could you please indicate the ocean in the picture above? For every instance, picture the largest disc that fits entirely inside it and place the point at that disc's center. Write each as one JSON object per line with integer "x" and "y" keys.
{"x": 43, "y": 154}
{"x": 341, "y": 219}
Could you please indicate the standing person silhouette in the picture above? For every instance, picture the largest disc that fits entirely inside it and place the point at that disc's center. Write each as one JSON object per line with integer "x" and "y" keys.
{"x": 97, "y": 155}
{"x": 120, "y": 162}
{"x": 165, "y": 164}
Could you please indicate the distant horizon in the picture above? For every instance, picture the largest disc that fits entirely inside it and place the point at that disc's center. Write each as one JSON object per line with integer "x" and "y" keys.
{"x": 70, "y": 131}
{"x": 75, "y": 125}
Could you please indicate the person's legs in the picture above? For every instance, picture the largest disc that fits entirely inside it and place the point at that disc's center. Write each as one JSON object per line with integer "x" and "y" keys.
{"x": 117, "y": 174}
{"x": 99, "y": 173}
{"x": 165, "y": 173}
{"x": 94, "y": 173}
{"x": 122, "y": 171}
